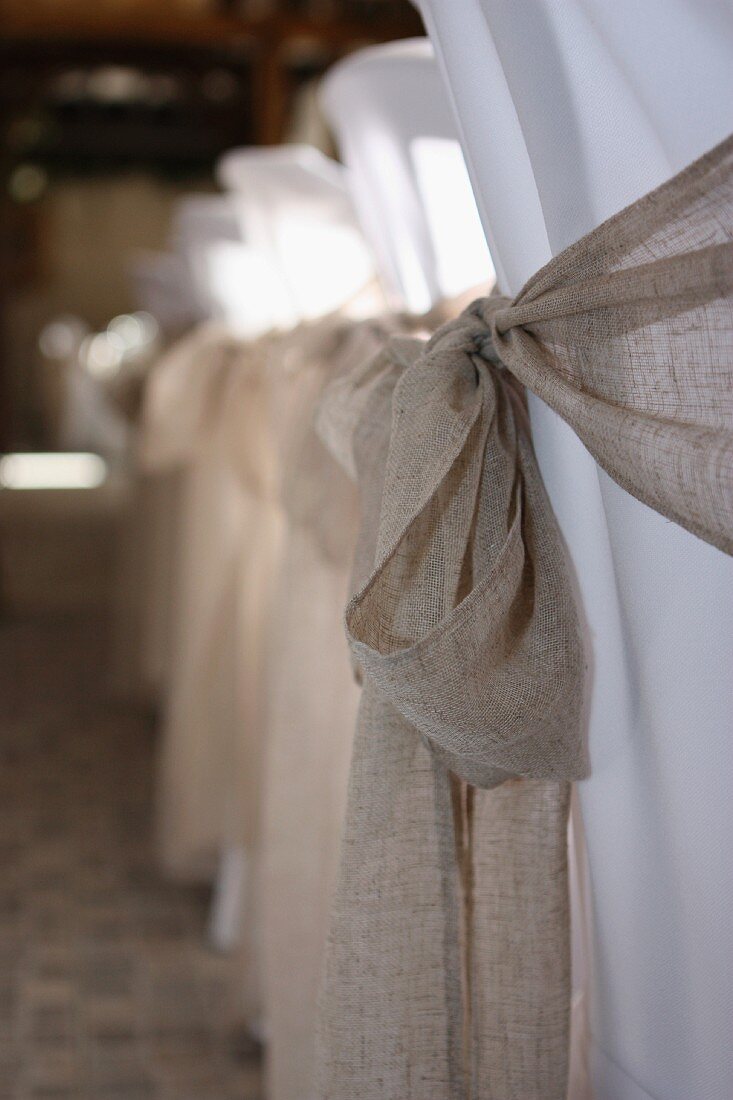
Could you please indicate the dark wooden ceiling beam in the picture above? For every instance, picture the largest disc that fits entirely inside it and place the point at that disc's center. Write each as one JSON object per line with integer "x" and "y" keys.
{"x": 205, "y": 29}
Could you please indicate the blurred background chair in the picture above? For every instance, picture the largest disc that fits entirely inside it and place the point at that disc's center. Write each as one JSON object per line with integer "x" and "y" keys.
{"x": 112, "y": 119}
{"x": 408, "y": 178}
{"x": 307, "y": 258}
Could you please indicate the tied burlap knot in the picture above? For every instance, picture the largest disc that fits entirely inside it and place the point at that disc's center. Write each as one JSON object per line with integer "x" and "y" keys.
{"x": 467, "y": 623}
{"x": 466, "y": 635}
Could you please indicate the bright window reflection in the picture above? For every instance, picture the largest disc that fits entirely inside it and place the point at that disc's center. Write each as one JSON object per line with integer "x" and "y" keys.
{"x": 63, "y": 470}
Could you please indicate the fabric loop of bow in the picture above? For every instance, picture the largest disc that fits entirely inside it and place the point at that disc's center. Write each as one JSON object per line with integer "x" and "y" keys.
{"x": 657, "y": 416}
{"x": 468, "y": 622}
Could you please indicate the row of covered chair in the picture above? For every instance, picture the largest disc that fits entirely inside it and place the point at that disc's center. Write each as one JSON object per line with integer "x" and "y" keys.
{"x": 252, "y": 783}
{"x": 526, "y": 131}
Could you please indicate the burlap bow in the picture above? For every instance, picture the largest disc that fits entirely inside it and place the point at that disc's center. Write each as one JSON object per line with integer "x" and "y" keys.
{"x": 467, "y": 637}
{"x": 447, "y": 974}
{"x": 467, "y": 623}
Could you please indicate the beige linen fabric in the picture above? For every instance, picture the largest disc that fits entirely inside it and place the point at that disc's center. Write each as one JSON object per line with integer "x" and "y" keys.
{"x": 312, "y": 696}
{"x": 447, "y": 969}
{"x": 245, "y": 428}
{"x": 467, "y": 638}
{"x": 200, "y": 724}
{"x": 207, "y": 415}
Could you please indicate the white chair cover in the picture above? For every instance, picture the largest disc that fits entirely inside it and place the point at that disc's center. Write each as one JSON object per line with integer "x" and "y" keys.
{"x": 567, "y": 114}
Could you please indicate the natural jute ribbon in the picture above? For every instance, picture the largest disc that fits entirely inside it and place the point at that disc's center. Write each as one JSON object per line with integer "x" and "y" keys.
{"x": 447, "y": 972}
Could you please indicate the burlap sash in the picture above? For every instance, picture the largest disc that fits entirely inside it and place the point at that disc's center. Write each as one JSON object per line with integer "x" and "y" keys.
{"x": 447, "y": 972}
{"x": 312, "y": 700}
{"x": 185, "y": 394}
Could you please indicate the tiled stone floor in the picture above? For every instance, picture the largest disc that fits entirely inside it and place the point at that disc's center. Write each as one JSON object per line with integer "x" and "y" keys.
{"x": 107, "y": 990}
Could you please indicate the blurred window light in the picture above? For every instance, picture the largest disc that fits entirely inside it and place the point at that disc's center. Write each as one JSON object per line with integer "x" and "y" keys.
{"x": 134, "y": 330}
{"x": 116, "y": 84}
{"x": 49, "y": 470}
{"x": 102, "y": 354}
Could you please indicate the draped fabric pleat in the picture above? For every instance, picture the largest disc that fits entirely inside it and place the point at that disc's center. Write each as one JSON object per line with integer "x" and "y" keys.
{"x": 312, "y": 697}
{"x": 467, "y": 639}
{"x": 259, "y": 718}
{"x": 181, "y": 435}
{"x": 447, "y": 968}
{"x": 205, "y": 416}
